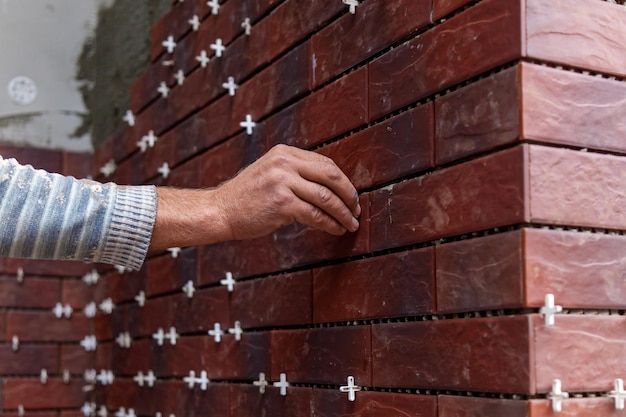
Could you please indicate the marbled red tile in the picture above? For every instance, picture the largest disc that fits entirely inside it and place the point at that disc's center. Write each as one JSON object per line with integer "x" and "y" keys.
{"x": 125, "y": 287}
{"x": 476, "y": 195}
{"x": 377, "y": 24}
{"x": 283, "y": 81}
{"x": 399, "y": 284}
{"x": 31, "y": 394}
{"x": 166, "y": 273}
{"x": 568, "y": 108}
{"x": 461, "y": 406}
{"x": 227, "y": 360}
{"x": 294, "y": 20}
{"x": 32, "y": 293}
{"x": 562, "y": 182}
{"x": 246, "y": 401}
{"x": 566, "y": 264}
{"x": 281, "y": 300}
{"x": 322, "y": 355}
{"x": 75, "y": 293}
{"x": 48, "y": 267}
{"x": 29, "y": 359}
{"x": 175, "y": 23}
{"x": 331, "y": 111}
{"x": 29, "y": 326}
{"x": 588, "y": 36}
{"x": 479, "y": 117}
{"x": 46, "y": 159}
{"x": 575, "y": 407}
{"x": 479, "y": 39}
{"x": 208, "y": 306}
{"x": 174, "y": 397}
{"x": 484, "y": 273}
{"x": 75, "y": 359}
{"x": 130, "y": 361}
{"x": 596, "y": 341}
{"x": 444, "y": 7}
{"x": 489, "y": 354}
{"x": 396, "y": 147}
{"x": 328, "y": 403}
{"x": 242, "y": 258}
{"x": 77, "y": 164}
{"x": 3, "y": 326}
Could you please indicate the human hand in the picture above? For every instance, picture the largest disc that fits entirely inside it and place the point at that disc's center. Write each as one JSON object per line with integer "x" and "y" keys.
{"x": 288, "y": 185}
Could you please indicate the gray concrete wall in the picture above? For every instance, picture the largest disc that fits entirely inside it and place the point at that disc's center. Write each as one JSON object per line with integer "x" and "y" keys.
{"x": 82, "y": 56}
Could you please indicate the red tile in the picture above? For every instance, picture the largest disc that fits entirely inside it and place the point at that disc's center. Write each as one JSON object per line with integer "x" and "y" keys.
{"x": 32, "y": 394}
{"x": 377, "y": 24}
{"x": 587, "y": 36}
{"x": 75, "y": 359}
{"x": 77, "y": 164}
{"x": 130, "y": 361}
{"x": 43, "y": 326}
{"x": 75, "y": 293}
{"x": 53, "y": 268}
{"x": 476, "y": 195}
{"x": 484, "y": 273}
{"x": 242, "y": 258}
{"x": 490, "y": 354}
{"x": 396, "y": 147}
{"x": 579, "y": 407}
{"x": 32, "y": 293}
{"x": 444, "y": 7}
{"x": 460, "y": 406}
{"x": 175, "y": 23}
{"x": 246, "y": 401}
{"x": 283, "y": 81}
{"x": 400, "y": 284}
{"x": 281, "y": 300}
{"x": 207, "y": 307}
{"x": 294, "y": 20}
{"x": 166, "y": 273}
{"x": 29, "y": 359}
{"x": 46, "y": 159}
{"x": 562, "y": 181}
{"x": 566, "y": 264}
{"x": 568, "y": 108}
{"x": 481, "y": 38}
{"x": 331, "y": 111}
{"x": 227, "y": 360}
{"x": 328, "y": 403}
{"x": 593, "y": 340}
{"x": 175, "y": 397}
{"x": 479, "y": 117}
{"x": 322, "y": 355}
{"x": 3, "y": 325}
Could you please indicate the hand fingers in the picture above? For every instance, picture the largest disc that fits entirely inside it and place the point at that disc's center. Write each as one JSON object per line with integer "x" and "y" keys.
{"x": 327, "y": 201}
{"x": 306, "y": 213}
{"x": 324, "y": 171}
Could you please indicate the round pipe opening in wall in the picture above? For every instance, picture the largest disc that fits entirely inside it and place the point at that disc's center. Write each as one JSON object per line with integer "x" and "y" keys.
{"x": 22, "y": 90}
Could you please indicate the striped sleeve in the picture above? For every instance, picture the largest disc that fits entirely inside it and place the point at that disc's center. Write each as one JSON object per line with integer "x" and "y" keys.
{"x": 50, "y": 216}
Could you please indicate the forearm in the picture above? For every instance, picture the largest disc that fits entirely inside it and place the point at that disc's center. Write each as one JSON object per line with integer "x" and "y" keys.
{"x": 187, "y": 217}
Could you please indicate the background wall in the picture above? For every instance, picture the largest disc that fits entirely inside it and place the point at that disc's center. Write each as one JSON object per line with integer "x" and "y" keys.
{"x": 82, "y": 56}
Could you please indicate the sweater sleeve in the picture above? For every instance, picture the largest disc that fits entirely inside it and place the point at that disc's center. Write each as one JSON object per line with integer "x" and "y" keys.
{"x": 50, "y": 216}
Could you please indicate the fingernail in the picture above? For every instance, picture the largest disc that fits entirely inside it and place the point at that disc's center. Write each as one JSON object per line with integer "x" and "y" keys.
{"x": 358, "y": 209}
{"x": 355, "y": 225}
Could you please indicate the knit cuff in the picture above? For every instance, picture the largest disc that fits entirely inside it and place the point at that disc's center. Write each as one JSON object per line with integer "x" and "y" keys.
{"x": 130, "y": 231}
